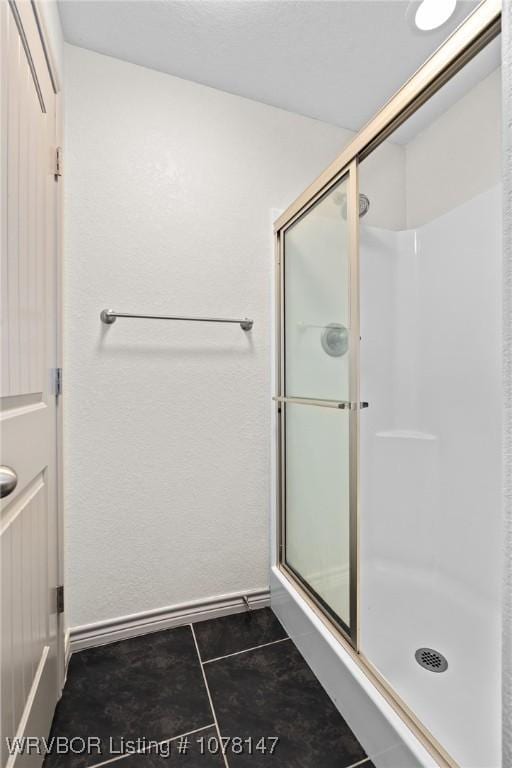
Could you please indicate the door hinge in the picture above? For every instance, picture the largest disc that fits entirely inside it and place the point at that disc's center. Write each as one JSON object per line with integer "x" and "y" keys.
{"x": 59, "y": 598}
{"x": 58, "y": 163}
{"x": 57, "y": 382}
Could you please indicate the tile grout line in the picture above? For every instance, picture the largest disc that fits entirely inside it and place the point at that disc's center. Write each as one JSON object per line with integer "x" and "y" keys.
{"x": 149, "y": 750}
{"x": 209, "y": 697}
{"x": 361, "y": 762}
{"x": 246, "y": 650}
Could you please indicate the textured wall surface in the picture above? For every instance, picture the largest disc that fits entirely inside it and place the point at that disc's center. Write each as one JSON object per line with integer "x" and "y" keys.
{"x": 438, "y": 175}
{"x": 507, "y": 355}
{"x": 169, "y": 188}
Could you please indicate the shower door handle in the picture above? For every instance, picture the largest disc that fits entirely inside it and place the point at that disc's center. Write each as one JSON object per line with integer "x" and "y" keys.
{"x": 344, "y": 405}
{"x": 340, "y": 404}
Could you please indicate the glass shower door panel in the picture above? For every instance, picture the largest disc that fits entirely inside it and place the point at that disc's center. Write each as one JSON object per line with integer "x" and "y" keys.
{"x": 317, "y": 503}
{"x": 316, "y": 369}
{"x": 316, "y": 283}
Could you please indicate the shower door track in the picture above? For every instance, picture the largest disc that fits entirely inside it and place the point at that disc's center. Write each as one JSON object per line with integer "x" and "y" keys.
{"x": 482, "y": 26}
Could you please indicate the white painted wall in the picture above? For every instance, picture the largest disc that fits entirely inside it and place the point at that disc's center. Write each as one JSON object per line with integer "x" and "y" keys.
{"x": 506, "y": 718}
{"x": 49, "y": 13}
{"x": 169, "y": 186}
{"x": 457, "y": 156}
{"x": 382, "y": 178}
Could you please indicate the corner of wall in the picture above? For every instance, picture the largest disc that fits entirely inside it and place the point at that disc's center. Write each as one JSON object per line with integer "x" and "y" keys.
{"x": 49, "y": 16}
{"x": 507, "y": 380}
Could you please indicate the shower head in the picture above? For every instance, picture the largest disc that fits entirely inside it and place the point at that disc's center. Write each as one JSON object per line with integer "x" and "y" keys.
{"x": 364, "y": 204}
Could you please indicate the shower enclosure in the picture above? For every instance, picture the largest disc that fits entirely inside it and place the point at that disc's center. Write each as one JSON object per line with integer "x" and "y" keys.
{"x": 388, "y": 407}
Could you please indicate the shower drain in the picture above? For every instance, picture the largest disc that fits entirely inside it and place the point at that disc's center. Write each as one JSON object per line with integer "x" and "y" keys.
{"x": 431, "y": 659}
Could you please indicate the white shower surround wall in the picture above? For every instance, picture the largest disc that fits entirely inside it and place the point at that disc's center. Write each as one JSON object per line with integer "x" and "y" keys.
{"x": 430, "y": 469}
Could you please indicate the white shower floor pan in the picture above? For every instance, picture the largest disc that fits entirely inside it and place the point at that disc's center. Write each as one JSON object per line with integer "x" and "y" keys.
{"x": 382, "y": 733}
{"x": 406, "y": 609}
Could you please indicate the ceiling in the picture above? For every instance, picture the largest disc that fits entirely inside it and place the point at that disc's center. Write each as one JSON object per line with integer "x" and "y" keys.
{"x": 334, "y": 60}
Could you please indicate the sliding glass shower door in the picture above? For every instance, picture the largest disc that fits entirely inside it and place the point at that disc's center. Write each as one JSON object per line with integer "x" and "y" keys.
{"x": 319, "y": 343}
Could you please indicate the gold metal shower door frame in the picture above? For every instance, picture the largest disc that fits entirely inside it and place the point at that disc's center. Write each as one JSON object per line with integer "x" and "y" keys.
{"x": 350, "y": 176}
{"x": 482, "y": 26}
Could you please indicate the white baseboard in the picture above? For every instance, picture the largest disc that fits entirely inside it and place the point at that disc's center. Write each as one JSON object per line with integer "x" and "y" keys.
{"x": 123, "y": 627}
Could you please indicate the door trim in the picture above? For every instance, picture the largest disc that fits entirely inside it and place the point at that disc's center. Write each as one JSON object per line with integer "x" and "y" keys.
{"x": 29, "y": 18}
{"x": 50, "y": 58}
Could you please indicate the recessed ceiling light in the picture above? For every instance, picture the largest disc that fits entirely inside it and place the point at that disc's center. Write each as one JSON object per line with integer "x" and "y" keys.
{"x": 433, "y": 13}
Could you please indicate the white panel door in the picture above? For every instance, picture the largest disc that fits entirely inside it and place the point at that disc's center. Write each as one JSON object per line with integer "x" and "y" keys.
{"x": 30, "y": 626}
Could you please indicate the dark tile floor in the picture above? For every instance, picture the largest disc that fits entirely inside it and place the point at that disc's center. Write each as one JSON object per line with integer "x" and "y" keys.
{"x": 168, "y": 695}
